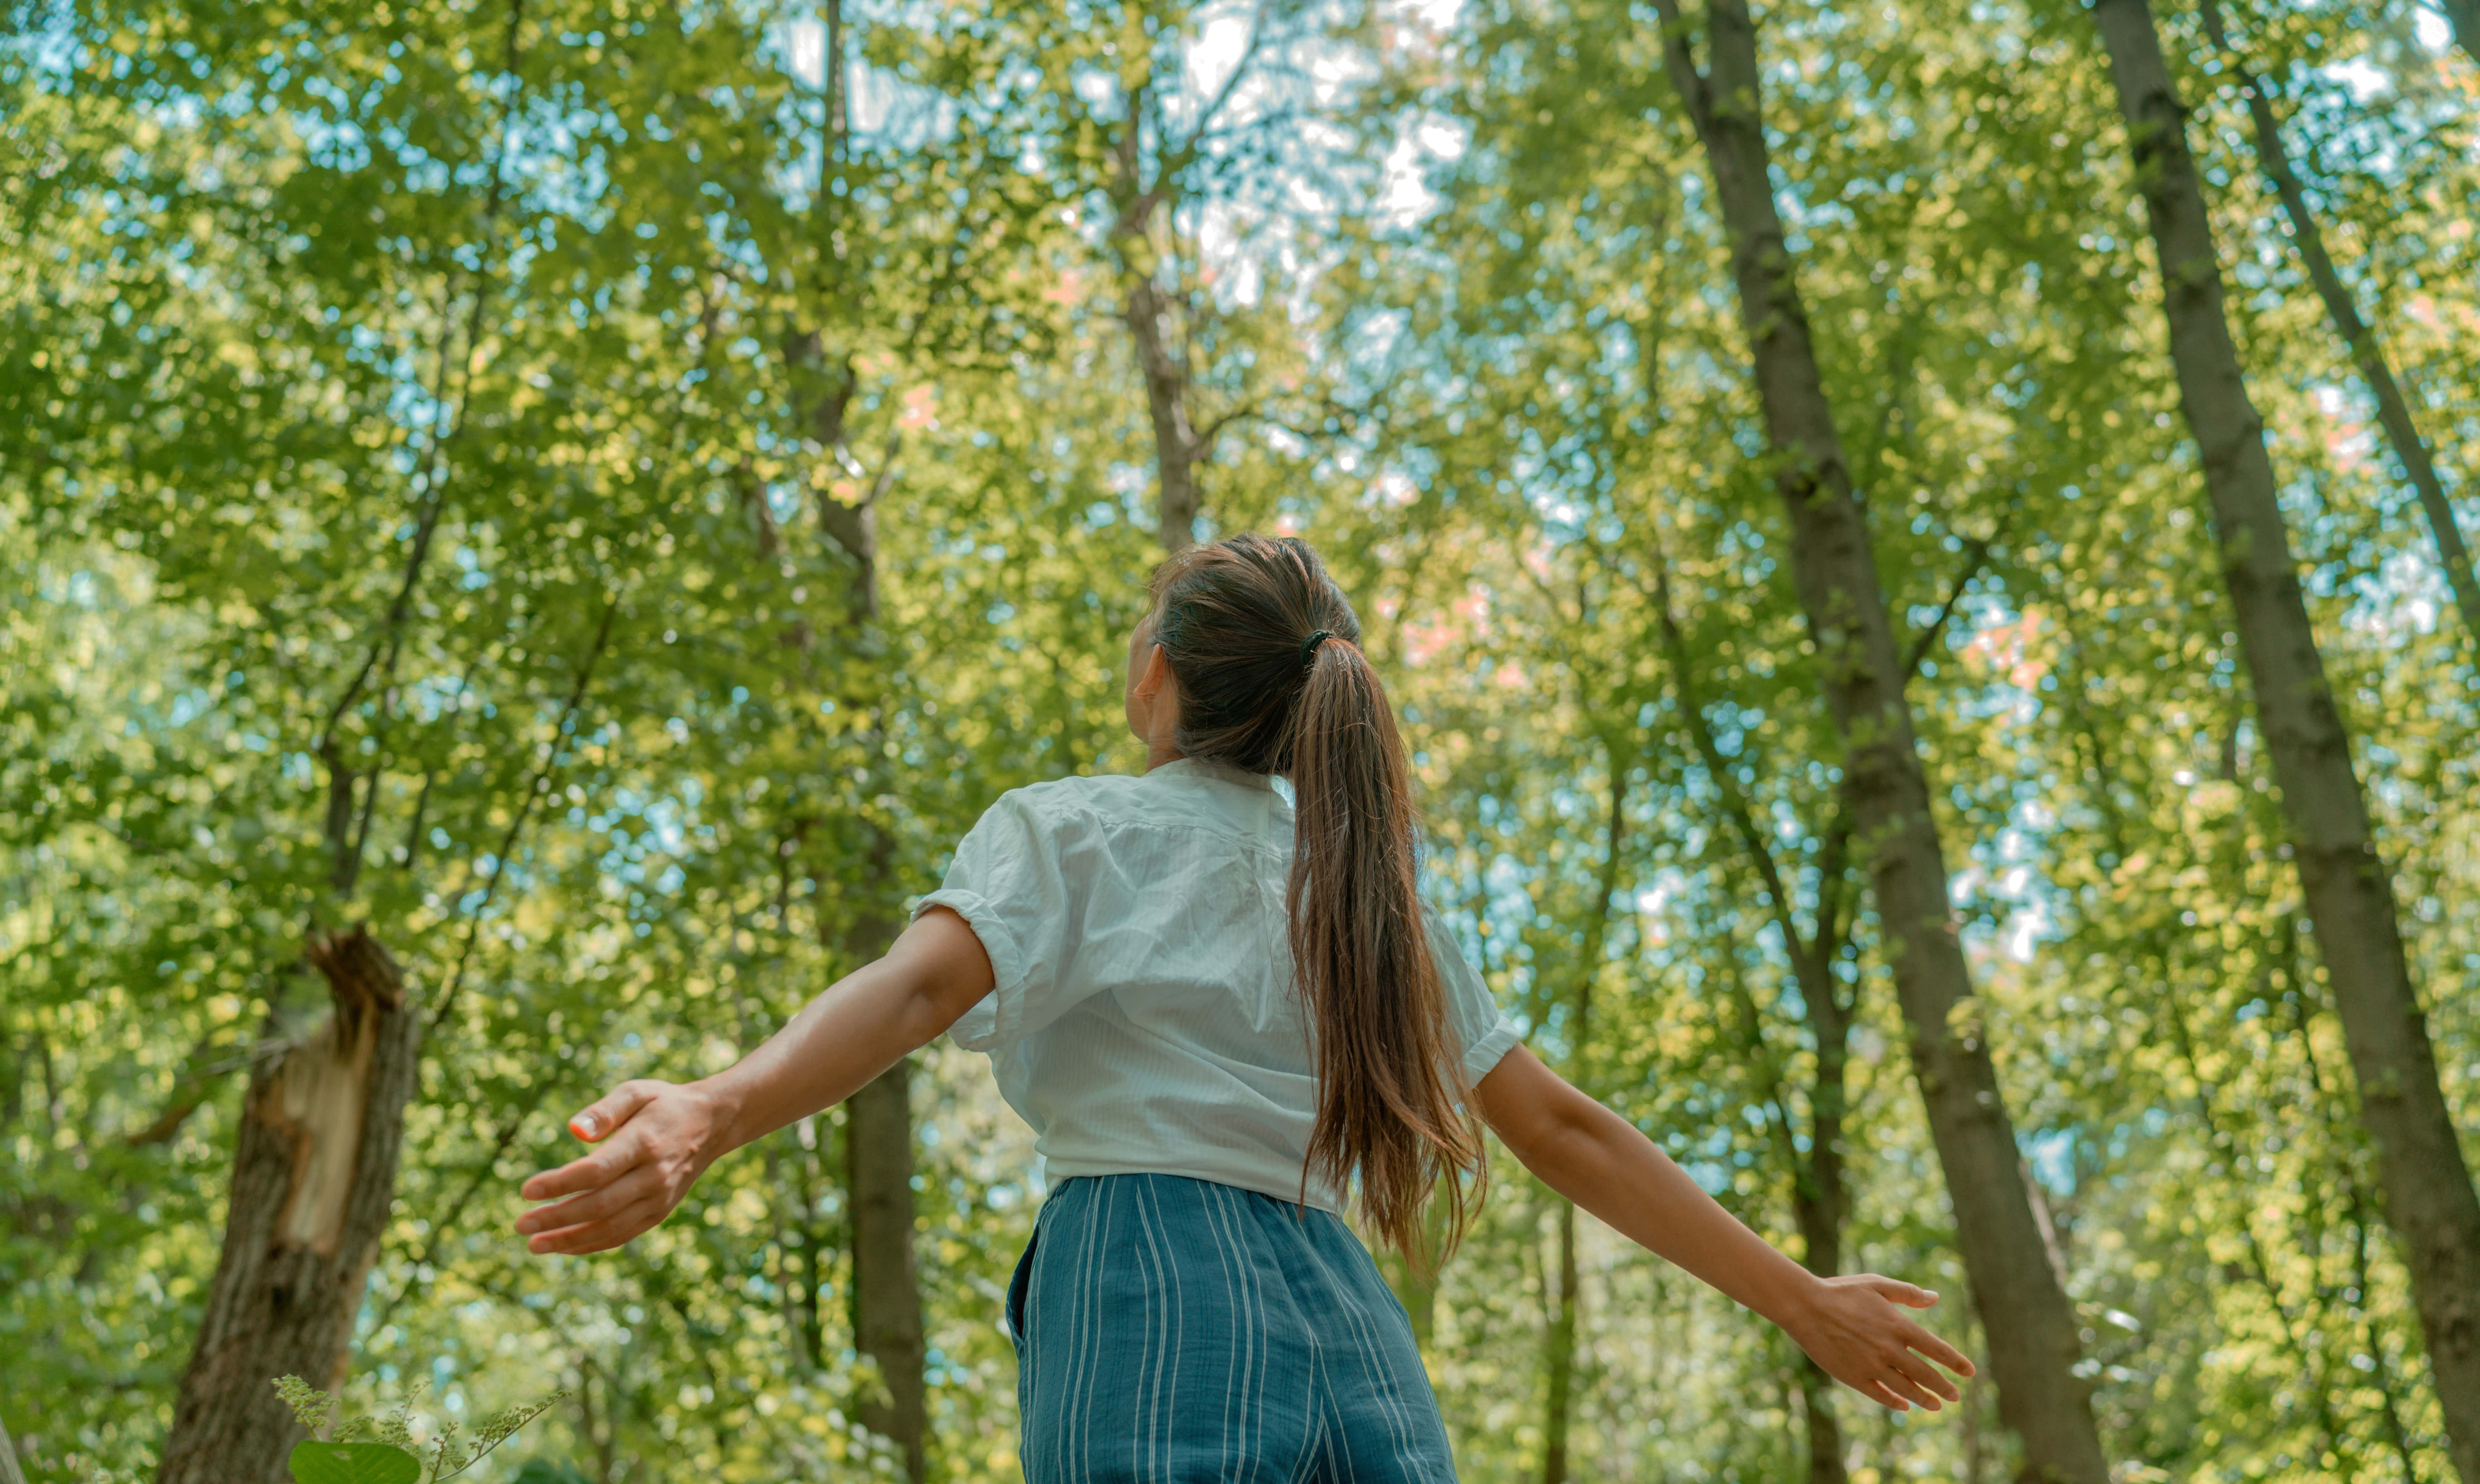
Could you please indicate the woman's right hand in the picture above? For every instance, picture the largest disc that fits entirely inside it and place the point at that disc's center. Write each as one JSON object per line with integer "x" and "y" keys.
{"x": 656, "y": 1139}
{"x": 1855, "y": 1327}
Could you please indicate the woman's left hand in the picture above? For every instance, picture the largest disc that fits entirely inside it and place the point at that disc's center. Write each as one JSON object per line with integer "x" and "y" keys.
{"x": 657, "y": 1138}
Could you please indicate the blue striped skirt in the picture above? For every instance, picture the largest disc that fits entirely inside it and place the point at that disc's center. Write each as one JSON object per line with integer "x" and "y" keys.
{"x": 1170, "y": 1330}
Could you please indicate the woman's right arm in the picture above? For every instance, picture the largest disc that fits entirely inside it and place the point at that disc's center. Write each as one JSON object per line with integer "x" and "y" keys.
{"x": 657, "y": 1137}
{"x": 1604, "y": 1164}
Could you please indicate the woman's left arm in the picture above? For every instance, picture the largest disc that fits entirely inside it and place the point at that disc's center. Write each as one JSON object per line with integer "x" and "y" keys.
{"x": 657, "y": 1138}
{"x": 1604, "y": 1164}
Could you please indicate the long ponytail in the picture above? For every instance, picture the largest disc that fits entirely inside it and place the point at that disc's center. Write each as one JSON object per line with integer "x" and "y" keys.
{"x": 1266, "y": 652}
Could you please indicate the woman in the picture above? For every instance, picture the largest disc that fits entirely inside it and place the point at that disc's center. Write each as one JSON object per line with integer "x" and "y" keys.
{"x": 1226, "y": 1019}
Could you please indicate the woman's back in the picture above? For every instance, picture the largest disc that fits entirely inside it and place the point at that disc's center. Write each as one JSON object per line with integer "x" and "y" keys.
{"x": 1206, "y": 1011}
{"x": 1146, "y": 1018}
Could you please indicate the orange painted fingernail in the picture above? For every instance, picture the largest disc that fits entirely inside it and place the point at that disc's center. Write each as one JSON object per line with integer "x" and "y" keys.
{"x": 587, "y": 1126}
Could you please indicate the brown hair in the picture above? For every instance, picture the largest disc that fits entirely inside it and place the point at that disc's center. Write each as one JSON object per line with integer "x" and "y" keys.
{"x": 1267, "y": 657}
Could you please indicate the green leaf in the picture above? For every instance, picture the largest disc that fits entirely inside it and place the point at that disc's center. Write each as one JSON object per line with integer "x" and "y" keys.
{"x": 353, "y": 1463}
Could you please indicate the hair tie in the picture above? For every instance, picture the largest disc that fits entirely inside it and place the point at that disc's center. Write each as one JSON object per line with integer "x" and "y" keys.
{"x": 1309, "y": 645}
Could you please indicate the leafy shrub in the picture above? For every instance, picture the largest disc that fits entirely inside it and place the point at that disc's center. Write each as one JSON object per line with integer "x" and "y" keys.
{"x": 390, "y": 1456}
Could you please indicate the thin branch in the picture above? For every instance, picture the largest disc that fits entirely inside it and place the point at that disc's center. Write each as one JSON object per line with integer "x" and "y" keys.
{"x": 189, "y": 1092}
{"x": 886, "y": 469}
{"x": 534, "y": 790}
{"x": 506, "y": 1136}
{"x": 1204, "y": 126}
{"x": 1694, "y": 93}
{"x": 413, "y": 827}
{"x": 1206, "y": 435}
{"x": 445, "y": 431}
{"x": 1735, "y": 804}
{"x": 1833, "y": 865}
{"x": 1976, "y": 556}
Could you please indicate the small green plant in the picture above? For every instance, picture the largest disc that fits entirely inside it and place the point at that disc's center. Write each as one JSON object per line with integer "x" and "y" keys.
{"x": 390, "y": 1455}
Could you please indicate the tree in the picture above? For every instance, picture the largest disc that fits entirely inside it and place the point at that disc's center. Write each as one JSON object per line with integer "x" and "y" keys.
{"x": 2359, "y": 338}
{"x": 2429, "y": 1197}
{"x": 313, "y": 1177}
{"x": 2032, "y": 1331}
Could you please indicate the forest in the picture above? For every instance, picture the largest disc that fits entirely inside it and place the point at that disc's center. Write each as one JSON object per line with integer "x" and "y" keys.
{"x": 1919, "y": 546}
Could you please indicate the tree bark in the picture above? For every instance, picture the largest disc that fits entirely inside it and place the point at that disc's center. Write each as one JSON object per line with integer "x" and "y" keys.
{"x": 2360, "y": 339}
{"x": 314, "y": 1176}
{"x": 1140, "y": 204}
{"x": 885, "y": 1294}
{"x": 1819, "y": 1198}
{"x": 1176, "y": 446}
{"x": 2427, "y": 1186}
{"x": 1818, "y": 1203}
{"x": 2033, "y": 1334}
{"x": 1558, "y": 1404}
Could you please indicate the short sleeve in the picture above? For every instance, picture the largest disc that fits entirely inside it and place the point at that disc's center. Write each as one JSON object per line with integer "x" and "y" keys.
{"x": 1482, "y": 1030}
{"x": 1014, "y": 882}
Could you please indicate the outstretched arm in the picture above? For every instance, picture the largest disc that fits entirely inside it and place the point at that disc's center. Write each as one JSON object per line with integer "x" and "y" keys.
{"x": 1601, "y": 1161}
{"x": 659, "y": 1137}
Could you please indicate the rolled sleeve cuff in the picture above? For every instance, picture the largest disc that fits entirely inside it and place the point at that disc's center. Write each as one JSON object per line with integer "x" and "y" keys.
{"x": 996, "y": 1018}
{"x": 1483, "y": 1055}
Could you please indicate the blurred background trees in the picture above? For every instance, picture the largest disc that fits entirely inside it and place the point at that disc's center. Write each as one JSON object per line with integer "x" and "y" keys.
{"x": 598, "y": 499}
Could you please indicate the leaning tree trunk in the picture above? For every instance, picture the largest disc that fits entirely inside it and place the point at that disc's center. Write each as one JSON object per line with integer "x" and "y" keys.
{"x": 2034, "y": 1339}
{"x": 2428, "y": 1194}
{"x": 2359, "y": 338}
{"x": 314, "y": 1176}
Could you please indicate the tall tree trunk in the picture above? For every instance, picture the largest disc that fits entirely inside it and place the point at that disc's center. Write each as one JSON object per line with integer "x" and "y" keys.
{"x": 1142, "y": 205}
{"x": 1559, "y": 1403}
{"x": 2033, "y": 1341}
{"x": 1176, "y": 443}
{"x": 1557, "y": 1409}
{"x": 885, "y": 1294}
{"x": 2428, "y": 1194}
{"x": 315, "y": 1159}
{"x": 1820, "y": 1198}
{"x": 2359, "y": 338}
{"x": 1818, "y": 1201}
{"x": 885, "y": 1291}
{"x": 314, "y": 1175}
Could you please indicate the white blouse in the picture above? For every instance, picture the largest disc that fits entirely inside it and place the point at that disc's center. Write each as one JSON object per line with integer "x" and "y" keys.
{"x": 1143, "y": 1019}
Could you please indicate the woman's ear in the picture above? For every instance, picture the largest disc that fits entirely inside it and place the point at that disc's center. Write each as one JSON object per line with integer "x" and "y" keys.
{"x": 1156, "y": 673}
